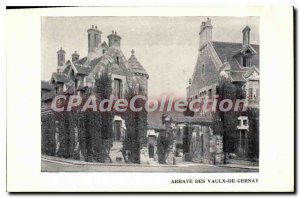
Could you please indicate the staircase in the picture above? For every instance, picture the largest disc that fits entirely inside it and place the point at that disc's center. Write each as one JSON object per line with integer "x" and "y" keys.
{"x": 153, "y": 162}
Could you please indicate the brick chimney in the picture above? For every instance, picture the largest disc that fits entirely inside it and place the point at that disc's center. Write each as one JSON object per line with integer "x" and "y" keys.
{"x": 246, "y": 36}
{"x": 114, "y": 40}
{"x": 60, "y": 59}
{"x": 205, "y": 34}
{"x": 75, "y": 56}
{"x": 94, "y": 38}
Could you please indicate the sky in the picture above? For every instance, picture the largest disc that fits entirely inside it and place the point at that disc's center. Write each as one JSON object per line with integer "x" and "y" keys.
{"x": 167, "y": 47}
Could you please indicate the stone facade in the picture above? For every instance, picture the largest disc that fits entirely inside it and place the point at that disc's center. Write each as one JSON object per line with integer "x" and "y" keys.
{"x": 238, "y": 62}
{"x": 76, "y": 76}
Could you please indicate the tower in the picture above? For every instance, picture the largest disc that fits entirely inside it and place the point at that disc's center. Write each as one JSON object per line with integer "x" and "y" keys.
{"x": 140, "y": 73}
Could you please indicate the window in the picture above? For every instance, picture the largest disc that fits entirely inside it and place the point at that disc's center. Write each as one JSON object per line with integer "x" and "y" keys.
{"x": 246, "y": 61}
{"x": 117, "y": 130}
{"x": 84, "y": 81}
{"x": 245, "y": 122}
{"x": 250, "y": 96}
{"x": 89, "y": 41}
{"x": 118, "y": 88}
{"x": 210, "y": 94}
{"x": 95, "y": 40}
{"x": 103, "y": 51}
{"x": 203, "y": 69}
{"x": 217, "y": 90}
{"x": 118, "y": 61}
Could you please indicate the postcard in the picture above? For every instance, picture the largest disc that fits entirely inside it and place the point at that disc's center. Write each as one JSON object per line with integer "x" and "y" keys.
{"x": 116, "y": 99}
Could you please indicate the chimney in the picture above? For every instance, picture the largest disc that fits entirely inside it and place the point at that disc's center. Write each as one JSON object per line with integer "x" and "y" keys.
{"x": 114, "y": 40}
{"x": 246, "y": 36}
{"x": 205, "y": 34}
{"x": 75, "y": 56}
{"x": 94, "y": 38}
{"x": 60, "y": 59}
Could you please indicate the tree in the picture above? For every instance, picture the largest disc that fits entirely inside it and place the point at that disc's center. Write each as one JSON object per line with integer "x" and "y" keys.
{"x": 131, "y": 143}
{"x": 225, "y": 123}
{"x": 253, "y": 137}
{"x": 48, "y": 135}
{"x": 103, "y": 90}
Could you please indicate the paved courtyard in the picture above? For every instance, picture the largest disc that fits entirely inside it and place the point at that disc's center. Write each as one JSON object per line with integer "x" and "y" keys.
{"x": 59, "y": 166}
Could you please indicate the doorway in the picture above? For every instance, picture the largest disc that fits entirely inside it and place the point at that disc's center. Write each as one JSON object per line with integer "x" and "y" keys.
{"x": 151, "y": 151}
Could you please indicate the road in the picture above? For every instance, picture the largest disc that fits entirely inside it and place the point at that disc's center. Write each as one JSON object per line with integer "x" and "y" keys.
{"x": 55, "y": 166}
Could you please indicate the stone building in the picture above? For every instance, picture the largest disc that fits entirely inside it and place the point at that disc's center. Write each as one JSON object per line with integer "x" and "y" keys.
{"x": 77, "y": 75}
{"x": 237, "y": 62}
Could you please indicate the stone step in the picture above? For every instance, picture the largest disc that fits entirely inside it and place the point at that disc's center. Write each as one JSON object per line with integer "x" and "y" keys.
{"x": 153, "y": 162}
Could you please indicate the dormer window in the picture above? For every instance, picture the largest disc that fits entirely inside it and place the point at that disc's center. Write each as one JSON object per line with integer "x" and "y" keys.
{"x": 245, "y": 61}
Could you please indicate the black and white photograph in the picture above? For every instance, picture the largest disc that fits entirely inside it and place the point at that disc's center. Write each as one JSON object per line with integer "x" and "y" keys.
{"x": 150, "y": 99}
{"x": 154, "y": 94}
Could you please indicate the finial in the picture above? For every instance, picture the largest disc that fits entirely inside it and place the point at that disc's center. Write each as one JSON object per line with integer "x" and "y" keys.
{"x": 115, "y": 32}
{"x": 96, "y": 27}
{"x": 92, "y": 26}
{"x": 112, "y": 32}
{"x": 132, "y": 52}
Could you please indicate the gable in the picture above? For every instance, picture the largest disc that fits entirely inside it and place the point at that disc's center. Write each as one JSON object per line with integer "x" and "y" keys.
{"x": 253, "y": 76}
{"x": 210, "y": 75}
{"x": 230, "y": 50}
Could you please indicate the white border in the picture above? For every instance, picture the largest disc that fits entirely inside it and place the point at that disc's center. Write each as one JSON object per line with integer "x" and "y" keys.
{"x": 23, "y": 106}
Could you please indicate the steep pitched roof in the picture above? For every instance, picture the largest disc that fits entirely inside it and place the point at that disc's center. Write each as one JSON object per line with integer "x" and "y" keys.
{"x": 83, "y": 69}
{"x": 104, "y": 45}
{"x": 82, "y": 61}
{"x": 59, "y": 77}
{"x": 250, "y": 71}
{"x": 227, "y": 49}
{"x": 136, "y": 65}
{"x": 237, "y": 76}
{"x": 85, "y": 65}
{"x": 116, "y": 65}
{"x": 66, "y": 70}
{"x": 48, "y": 96}
{"x": 46, "y": 85}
